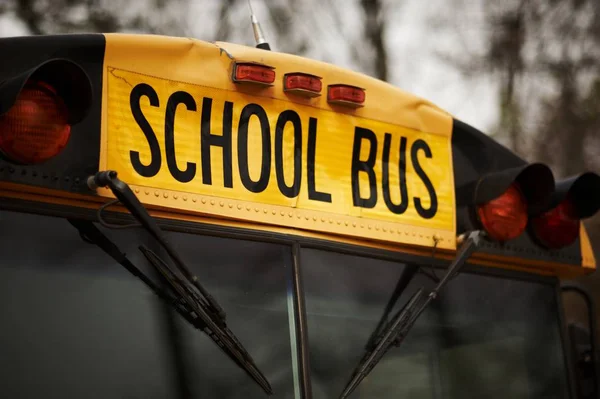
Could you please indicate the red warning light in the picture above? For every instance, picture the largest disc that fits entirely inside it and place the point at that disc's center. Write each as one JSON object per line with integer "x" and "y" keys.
{"x": 36, "y": 127}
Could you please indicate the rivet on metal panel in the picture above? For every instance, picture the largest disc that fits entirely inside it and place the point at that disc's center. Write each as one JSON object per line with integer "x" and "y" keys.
{"x": 212, "y": 202}
{"x": 306, "y": 217}
{"x": 314, "y": 218}
{"x": 147, "y": 192}
{"x": 194, "y": 199}
{"x": 322, "y": 220}
{"x": 248, "y": 208}
{"x": 156, "y": 193}
{"x": 265, "y": 211}
{"x": 175, "y": 196}
{"x": 282, "y": 213}
{"x": 239, "y": 207}
{"x": 290, "y": 214}
{"x": 274, "y": 212}
{"x": 166, "y": 195}
{"x": 222, "y": 204}
{"x": 377, "y": 227}
{"x": 256, "y": 209}
{"x": 137, "y": 190}
{"x": 185, "y": 197}
{"x": 203, "y": 200}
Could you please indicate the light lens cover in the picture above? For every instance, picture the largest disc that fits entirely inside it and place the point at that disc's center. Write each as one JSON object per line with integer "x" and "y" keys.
{"x": 346, "y": 94}
{"x": 302, "y": 81}
{"x": 557, "y": 227}
{"x": 36, "y": 127}
{"x": 505, "y": 217}
{"x": 254, "y": 73}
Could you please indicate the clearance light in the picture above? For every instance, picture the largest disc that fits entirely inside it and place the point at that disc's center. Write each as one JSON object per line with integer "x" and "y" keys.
{"x": 302, "y": 84}
{"x": 557, "y": 227}
{"x": 253, "y": 73}
{"x": 504, "y": 217}
{"x": 36, "y": 127}
{"x": 346, "y": 95}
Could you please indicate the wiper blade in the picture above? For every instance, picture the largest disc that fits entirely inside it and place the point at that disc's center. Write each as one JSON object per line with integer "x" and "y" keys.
{"x": 128, "y": 198}
{"x": 398, "y": 328}
{"x": 191, "y": 300}
{"x": 384, "y": 343}
{"x": 203, "y": 320}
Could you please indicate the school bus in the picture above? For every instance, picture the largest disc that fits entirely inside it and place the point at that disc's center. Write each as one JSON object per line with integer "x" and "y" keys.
{"x": 191, "y": 219}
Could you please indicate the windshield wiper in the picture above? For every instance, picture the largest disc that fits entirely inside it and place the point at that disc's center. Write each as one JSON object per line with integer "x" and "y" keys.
{"x": 398, "y": 328}
{"x": 190, "y": 299}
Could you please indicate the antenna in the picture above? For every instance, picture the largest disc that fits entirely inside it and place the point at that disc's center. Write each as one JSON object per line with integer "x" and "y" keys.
{"x": 259, "y": 36}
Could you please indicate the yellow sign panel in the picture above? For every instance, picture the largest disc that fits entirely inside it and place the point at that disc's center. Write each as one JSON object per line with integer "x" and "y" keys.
{"x": 225, "y": 153}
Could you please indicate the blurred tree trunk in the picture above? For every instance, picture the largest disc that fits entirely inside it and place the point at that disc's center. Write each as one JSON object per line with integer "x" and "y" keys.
{"x": 374, "y": 30}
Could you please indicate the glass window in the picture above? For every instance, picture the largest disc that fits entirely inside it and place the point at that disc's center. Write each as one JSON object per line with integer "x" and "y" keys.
{"x": 77, "y": 324}
{"x": 485, "y": 336}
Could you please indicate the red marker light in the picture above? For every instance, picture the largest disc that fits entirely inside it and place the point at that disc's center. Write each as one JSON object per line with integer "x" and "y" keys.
{"x": 253, "y": 73}
{"x": 557, "y": 227}
{"x": 346, "y": 95}
{"x": 504, "y": 217}
{"x": 36, "y": 127}
{"x": 303, "y": 84}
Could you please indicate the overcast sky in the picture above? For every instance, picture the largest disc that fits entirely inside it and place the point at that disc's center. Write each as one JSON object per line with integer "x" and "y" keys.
{"x": 412, "y": 40}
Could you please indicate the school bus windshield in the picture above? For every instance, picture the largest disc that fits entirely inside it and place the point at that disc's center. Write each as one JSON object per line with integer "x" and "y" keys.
{"x": 485, "y": 331}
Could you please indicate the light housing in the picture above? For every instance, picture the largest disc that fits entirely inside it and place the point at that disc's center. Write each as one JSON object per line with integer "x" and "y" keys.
{"x": 255, "y": 73}
{"x": 503, "y": 200}
{"x": 346, "y": 95}
{"x": 302, "y": 84}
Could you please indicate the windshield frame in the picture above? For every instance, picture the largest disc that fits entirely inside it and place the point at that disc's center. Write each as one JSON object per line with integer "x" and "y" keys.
{"x": 296, "y": 244}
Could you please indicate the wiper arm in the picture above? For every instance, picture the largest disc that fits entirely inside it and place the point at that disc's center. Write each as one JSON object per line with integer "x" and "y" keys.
{"x": 128, "y": 198}
{"x": 192, "y": 300}
{"x": 90, "y": 233}
{"x": 398, "y": 328}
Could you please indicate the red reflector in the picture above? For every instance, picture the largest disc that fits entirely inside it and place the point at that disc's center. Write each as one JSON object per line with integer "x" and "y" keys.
{"x": 344, "y": 94}
{"x": 35, "y": 128}
{"x": 558, "y": 227}
{"x": 505, "y": 217}
{"x": 254, "y": 73}
{"x": 302, "y": 83}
